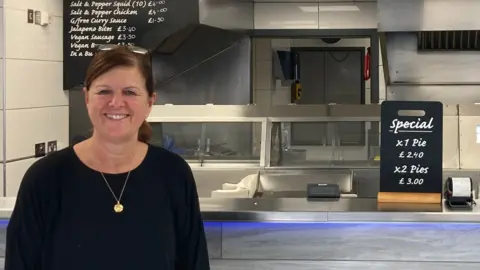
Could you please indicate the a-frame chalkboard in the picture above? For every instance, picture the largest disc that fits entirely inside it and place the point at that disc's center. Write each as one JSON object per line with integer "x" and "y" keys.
{"x": 411, "y": 152}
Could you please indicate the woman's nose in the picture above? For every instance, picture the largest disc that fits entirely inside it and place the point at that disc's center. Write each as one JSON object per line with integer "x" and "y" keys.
{"x": 117, "y": 100}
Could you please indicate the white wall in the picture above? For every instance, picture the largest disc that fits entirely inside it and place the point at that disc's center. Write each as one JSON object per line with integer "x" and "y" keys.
{"x": 1, "y": 95}
{"x": 36, "y": 106}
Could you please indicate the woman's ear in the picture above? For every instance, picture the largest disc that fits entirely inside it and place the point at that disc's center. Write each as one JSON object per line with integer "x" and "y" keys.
{"x": 152, "y": 100}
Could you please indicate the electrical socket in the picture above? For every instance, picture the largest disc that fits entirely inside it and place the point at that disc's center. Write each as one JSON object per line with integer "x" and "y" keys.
{"x": 39, "y": 150}
{"x": 42, "y": 18}
{"x": 30, "y": 15}
{"x": 51, "y": 146}
{"x": 38, "y": 17}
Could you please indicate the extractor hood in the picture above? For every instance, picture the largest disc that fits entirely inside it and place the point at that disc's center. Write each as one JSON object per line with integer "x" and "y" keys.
{"x": 200, "y": 63}
{"x": 190, "y": 47}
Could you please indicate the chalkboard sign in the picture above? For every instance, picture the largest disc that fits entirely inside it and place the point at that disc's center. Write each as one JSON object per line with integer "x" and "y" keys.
{"x": 411, "y": 147}
{"x": 126, "y": 22}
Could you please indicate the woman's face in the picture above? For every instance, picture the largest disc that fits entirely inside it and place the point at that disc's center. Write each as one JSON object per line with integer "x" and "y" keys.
{"x": 118, "y": 103}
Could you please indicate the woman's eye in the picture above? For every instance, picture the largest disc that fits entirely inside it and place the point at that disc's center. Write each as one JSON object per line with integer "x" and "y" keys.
{"x": 130, "y": 93}
{"x": 104, "y": 92}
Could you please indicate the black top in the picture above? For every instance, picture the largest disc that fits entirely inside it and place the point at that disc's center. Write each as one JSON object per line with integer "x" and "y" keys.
{"x": 64, "y": 219}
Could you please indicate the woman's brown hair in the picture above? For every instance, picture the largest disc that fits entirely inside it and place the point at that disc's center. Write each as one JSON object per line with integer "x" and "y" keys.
{"x": 121, "y": 56}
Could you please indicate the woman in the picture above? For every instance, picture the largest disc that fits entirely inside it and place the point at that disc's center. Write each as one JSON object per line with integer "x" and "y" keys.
{"x": 111, "y": 201}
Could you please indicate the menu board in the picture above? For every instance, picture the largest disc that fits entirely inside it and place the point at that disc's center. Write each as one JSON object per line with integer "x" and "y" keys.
{"x": 411, "y": 147}
{"x": 89, "y": 23}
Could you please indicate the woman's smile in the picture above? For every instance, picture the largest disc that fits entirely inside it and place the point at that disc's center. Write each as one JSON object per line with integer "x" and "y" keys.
{"x": 116, "y": 117}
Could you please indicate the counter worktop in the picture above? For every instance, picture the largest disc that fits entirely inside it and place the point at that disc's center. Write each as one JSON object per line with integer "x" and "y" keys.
{"x": 301, "y": 210}
{"x": 342, "y": 210}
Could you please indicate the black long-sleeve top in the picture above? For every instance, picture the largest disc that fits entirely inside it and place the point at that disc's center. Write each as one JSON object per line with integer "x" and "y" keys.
{"x": 63, "y": 218}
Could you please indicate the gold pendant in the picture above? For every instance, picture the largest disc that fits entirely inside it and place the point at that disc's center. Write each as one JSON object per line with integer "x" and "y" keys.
{"x": 118, "y": 208}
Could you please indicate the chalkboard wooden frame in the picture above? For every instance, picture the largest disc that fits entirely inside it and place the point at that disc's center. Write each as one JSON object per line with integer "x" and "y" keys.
{"x": 411, "y": 152}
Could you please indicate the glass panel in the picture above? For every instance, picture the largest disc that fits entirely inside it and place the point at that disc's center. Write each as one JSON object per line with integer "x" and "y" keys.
{"x": 328, "y": 133}
{"x": 181, "y": 138}
{"x": 231, "y": 142}
{"x": 209, "y": 142}
{"x": 325, "y": 144}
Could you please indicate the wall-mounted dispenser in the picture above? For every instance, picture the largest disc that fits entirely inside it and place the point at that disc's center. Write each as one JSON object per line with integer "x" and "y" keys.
{"x": 296, "y": 87}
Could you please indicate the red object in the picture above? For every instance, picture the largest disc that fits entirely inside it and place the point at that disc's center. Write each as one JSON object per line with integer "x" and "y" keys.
{"x": 366, "y": 68}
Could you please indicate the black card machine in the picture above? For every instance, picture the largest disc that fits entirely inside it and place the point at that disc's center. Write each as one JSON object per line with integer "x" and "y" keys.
{"x": 459, "y": 192}
{"x": 323, "y": 191}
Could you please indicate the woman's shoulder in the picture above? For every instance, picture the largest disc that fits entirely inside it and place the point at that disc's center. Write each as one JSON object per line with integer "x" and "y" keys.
{"x": 169, "y": 166}
{"x": 54, "y": 160}
{"x": 50, "y": 165}
{"x": 161, "y": 157}
{"x": 43, "y": 173}
{"x": 175, "y": 173}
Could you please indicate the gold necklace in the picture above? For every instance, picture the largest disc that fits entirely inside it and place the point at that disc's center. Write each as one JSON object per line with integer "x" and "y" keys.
{"x": 118, "y": 207}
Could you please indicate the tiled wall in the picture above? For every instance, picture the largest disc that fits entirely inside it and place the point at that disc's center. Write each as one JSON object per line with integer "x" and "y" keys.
{"x": 36, "y": 105}
{"x": 2, "y": 61}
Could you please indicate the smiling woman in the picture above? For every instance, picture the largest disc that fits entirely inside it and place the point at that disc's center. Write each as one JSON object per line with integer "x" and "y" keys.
{"x": 119, "y": 82}
{"x": 112, "y": 201}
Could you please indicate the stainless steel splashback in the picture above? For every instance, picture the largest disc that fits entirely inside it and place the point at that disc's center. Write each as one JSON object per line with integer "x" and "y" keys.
{"x": 227, "y": 14}
{"x": 407, "y": 65}
{"x": 411, "y": 73}
{"x": 427, "y": 15}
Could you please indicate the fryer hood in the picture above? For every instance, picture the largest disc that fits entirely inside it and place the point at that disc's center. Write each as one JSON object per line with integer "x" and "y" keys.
{"x": 188, "y": 48}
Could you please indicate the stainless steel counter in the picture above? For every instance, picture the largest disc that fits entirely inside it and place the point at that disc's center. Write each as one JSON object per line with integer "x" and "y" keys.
{"x": 301, "y": 210}
{"x": 343, "y": 210}
{"x": 281, "y": 198}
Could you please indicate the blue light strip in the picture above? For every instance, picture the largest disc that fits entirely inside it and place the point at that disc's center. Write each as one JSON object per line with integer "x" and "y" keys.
{"x": 340, "y": 224}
